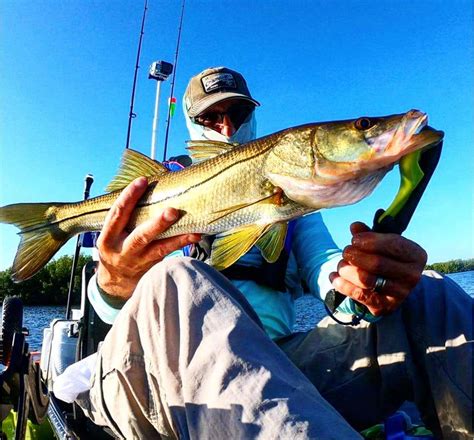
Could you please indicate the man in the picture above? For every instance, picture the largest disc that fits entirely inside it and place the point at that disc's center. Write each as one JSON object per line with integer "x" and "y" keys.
{"x": 190, "y": 354}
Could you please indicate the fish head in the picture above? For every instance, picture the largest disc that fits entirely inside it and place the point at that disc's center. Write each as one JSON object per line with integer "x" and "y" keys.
{"x": 366, "y": 144}
{"x": 350, "y": 157}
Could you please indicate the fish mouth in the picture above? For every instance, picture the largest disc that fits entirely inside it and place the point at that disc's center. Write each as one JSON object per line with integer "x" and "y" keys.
{"x": 412, "y": 124}
{"x": 395, "y": 140}
{"x": 417, "y": 135}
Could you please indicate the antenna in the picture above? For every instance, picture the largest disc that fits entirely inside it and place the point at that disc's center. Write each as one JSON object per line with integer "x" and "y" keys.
{"x": 174, "y": 78}
{"x": 132, "y": 115}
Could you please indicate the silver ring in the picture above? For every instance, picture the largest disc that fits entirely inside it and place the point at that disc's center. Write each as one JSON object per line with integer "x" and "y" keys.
{"x": 379, "y": 284}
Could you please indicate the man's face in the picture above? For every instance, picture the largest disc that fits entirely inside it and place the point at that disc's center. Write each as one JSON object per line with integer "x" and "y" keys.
{"x": 226, "y": 117}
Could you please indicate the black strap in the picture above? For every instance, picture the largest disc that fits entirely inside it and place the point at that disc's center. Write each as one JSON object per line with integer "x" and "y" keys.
{"x": 333, "y": 300}
{"x": 268, "y": 274}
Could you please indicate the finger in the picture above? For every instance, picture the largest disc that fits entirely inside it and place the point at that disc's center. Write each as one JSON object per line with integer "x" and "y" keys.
{"x": 119, "y": 214}
{"x": 366, "y": 280}
{"x": 381, "y": 265}
{"x": 376, "y": 303}
{"x": 356, "y": 275}
{"x": 391, "y": 245}
{"x": 159, "y": 249}
{"x": 148, "y": 231}
{"x": 358, "y": 227}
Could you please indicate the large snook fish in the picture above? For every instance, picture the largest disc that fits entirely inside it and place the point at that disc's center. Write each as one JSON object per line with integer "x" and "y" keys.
{"x": 244, "y": 195}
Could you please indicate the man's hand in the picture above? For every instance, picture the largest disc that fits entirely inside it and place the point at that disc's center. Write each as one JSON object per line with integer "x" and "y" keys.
{"x": 124, "y": 257}
{"x": 371, "y": 255}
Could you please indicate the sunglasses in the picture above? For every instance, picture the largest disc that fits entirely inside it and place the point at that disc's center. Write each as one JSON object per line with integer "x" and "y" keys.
{"x": 237, "y": 113}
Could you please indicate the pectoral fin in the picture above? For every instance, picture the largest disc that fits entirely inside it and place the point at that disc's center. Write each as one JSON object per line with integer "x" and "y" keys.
{"x": 228, "y": 247}
{"x": 271, "y": 244}
{"x": 134, "y": 164}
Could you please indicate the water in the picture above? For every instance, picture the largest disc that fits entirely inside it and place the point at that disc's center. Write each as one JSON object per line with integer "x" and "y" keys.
{"x": 308, "y": 311}
{"x": 36, "y": 319}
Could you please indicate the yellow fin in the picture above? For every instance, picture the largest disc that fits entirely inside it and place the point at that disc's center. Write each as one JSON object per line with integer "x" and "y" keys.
{"x": 40, "y": 239}
{"x": 271, "y": 244}
{"x": 134, "y": 164}
{"x": 229, "y": 246}
{"x": 202, "y": 150}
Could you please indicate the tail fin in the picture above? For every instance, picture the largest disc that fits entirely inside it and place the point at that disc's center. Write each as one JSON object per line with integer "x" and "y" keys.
{"x": 40, "y": 238}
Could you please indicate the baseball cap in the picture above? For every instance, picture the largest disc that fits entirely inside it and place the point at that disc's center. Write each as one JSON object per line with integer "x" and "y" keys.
{"x": 214, "y": 85}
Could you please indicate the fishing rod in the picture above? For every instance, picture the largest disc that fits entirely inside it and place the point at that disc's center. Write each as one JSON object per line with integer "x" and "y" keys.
{"x": 168, "y": 122}
{"x": 132, "y": 115}
{"x": 88, "y": 180}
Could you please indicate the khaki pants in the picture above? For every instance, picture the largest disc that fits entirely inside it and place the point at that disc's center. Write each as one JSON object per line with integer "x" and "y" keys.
{"x": 187, "y": 358}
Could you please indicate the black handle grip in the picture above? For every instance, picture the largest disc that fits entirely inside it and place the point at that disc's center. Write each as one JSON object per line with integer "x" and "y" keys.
{"x": 397, "y": 223}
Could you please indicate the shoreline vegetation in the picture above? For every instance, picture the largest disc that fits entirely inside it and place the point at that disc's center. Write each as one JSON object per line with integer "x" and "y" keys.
{"x": 50, "y": 285}
{"x": 452, "y": 266}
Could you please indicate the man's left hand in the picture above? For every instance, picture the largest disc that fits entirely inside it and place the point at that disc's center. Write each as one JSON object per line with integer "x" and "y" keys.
{"x": 372, "y": 255}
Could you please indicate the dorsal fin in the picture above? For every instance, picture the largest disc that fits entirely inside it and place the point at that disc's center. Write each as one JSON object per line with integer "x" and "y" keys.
{"x": 203, "y": 149}
{"x": 133, "y": 165}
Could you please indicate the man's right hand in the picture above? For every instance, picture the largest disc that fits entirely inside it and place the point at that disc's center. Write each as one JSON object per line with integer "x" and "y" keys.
{"x": 124, "y": 256}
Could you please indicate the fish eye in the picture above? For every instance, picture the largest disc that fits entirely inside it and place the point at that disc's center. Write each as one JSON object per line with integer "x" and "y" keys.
{"x": 364, "y": 123}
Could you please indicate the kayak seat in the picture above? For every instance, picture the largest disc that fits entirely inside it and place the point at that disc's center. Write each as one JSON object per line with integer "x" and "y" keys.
{"x": 92, "y": 330}
{"x": 68, "y": 418}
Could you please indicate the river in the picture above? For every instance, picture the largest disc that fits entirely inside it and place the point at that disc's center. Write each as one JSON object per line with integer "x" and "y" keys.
{"x": 308, "y": 312}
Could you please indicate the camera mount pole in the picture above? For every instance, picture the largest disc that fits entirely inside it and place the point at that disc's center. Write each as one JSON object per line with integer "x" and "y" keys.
{"x": 159, "y": 71}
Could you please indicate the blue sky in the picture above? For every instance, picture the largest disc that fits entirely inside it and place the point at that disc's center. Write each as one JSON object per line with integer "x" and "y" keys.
{"x": 67, "y": 69}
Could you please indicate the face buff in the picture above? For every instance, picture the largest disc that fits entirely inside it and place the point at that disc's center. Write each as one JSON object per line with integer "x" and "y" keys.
{"x": 246, "y": 132}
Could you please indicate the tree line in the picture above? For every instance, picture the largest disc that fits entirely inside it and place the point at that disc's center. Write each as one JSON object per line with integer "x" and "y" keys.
{"x": 50, "y": 285}
{"x": 452, "y": 266}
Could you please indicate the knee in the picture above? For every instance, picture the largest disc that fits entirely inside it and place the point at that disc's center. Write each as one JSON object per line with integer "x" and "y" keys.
{"x": 184, "y": 278}
{"x": 183, "y": 270}
{"x": 436, "y": 284}
{"x": 176, "y": 268}
{"x": 191, "y": 280}
{"x": 432, "y": 274}
{"x": 438, "y": 292}
{"x": 168, "y": 287}
{"x": 172, "y": 274}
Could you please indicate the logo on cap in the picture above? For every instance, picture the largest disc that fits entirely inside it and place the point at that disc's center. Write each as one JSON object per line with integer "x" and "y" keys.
{"x": 217, "y": 81}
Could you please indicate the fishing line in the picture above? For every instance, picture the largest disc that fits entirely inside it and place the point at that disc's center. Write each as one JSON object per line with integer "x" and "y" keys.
{"x": 132, "y": 115}
{"x": 168, "y": 122}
